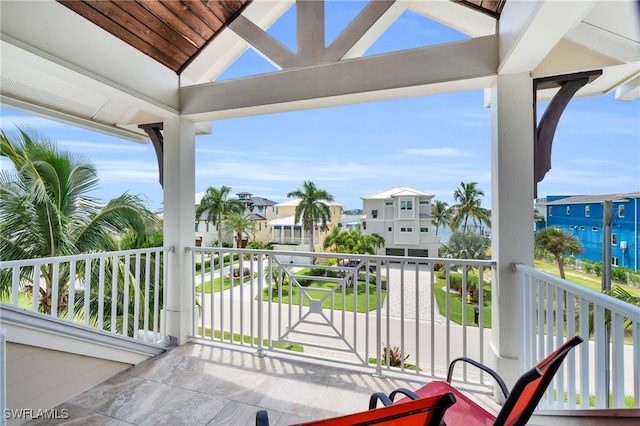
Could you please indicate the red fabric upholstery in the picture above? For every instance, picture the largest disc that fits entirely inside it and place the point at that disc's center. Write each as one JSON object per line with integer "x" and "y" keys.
{"x": 463, "y": 412}
{"x": 424, "y": 411}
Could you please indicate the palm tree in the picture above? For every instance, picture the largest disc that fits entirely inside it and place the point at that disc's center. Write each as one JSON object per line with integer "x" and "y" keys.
{"x": 312, "y": 208}
{"x": 368, "y": 244}
{"x": 538, "y": 218}
{"x": 469, "y": 206}
{"x": 46, "y": 211}
{"x": 441, "y": 214}
{"x": 239, "y": 223}
{"x": 465, "y": 245}
{"x": 216, "y": 206}
{"x": 558, "y": 243}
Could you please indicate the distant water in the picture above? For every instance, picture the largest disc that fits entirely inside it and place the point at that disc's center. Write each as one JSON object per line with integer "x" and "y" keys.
{"x": 443, "y": 233}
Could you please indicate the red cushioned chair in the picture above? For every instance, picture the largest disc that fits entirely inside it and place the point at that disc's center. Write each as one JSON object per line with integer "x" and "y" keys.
{"x": 520, "y": 402}
{"x": 426, "y": 411}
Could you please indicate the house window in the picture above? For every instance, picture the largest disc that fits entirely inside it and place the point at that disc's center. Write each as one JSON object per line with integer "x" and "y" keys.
{"x": 197, "y": 226}
{"x": 614, "y": 239}
{"x": 572, "y": 227}
{"x": 587, "y": 211}
{"x": 581, "y": 228}
{"x": 621, "y": 210}
{"x": 568, "y": 210}
{"x": 388, "y": 203}
{"x": 550, "y": 211}
{"x": 594, "y": 229}
{"x": 406, "y": 230}
{"x": 406, "y": 205}
{"x": 259, "y": 226}
{"x": 424, "y": 229}
{"x": 614, "y": 261}
{"x": 364, "y": 225}
{"x": 374, "y": 214}
{"x": 389, "y": 229}
{"x": 423, "y": 202}
{"x": 207, "y": 226}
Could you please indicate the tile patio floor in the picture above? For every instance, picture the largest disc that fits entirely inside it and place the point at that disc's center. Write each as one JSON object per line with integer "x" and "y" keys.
{"x": 202, "y": 383}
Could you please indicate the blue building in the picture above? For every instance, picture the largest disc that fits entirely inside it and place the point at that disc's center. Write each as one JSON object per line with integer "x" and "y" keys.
{"x": 582, "y": 217}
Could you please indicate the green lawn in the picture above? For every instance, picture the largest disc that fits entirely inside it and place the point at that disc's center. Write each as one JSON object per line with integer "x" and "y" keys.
{"x": 592, "y": 282}
{"x": 338, "y": 299}
{"x": 226, "y": 284}
{"x": 247, "y": 339}
{"x": 455, "y": 304}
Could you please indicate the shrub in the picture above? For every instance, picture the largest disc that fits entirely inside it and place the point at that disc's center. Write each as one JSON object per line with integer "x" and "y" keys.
{"x": 396, "y": 357}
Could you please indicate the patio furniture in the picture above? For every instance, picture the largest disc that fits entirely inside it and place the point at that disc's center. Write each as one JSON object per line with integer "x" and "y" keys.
{"x": 426, "y": 411}
{"x": 520, "y": 402}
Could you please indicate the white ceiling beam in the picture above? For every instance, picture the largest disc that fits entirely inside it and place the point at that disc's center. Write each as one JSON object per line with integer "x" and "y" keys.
{"x": 269, "y": 47}
{"x": 529, "y": 30}
{"x": 452, "y": 62}
{"x": 310, "y": 31}
{"x": 605, "y": 42}
{"x": 629, "y": 91}
{"x": 357, "y": 29}
{"x": 366, "y": 40}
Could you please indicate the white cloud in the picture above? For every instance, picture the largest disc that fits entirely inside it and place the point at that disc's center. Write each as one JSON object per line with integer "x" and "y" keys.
{"x": 127, "y": 171}
{"x": 437, "y": 152}
{"x": 95, "y": 147}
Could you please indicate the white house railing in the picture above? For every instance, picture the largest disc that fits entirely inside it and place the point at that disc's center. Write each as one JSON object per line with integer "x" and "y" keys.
{"x": 269, "y": 305}
{"x": 82, "y": 289}
{"x": 606, "y": 367}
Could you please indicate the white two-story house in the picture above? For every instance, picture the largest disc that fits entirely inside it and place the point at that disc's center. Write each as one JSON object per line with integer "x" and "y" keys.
{"x": 402, "y": 216}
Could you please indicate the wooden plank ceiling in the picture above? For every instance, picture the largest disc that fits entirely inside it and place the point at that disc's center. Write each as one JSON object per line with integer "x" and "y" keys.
{"x": 173, "y": 32}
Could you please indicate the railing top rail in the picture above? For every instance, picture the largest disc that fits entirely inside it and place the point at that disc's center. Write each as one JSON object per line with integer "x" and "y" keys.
{"x": 470, "y": 262}
{"x": 607, "y": 302}
{"x": 58, "y": 259}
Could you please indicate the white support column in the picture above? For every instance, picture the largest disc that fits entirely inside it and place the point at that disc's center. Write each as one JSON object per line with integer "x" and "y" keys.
{"x": 179, "y": 212}
{"x": 512, "y": 211}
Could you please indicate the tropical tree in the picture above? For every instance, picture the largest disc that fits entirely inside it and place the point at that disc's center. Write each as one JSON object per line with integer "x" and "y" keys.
{"x": 468, "y": 205}
{"x": 538, "y": 218}
{"x": 558, "y": 243}
{"x": 368, "y": 244}
{"x": 216, "y": 206}
{"x": 47, "y": 211}
{"x": 441, "y": 214}
{"x": 239, "y": 223}
{"x": 312, "y": 208}
{"x": 465, "y": 245}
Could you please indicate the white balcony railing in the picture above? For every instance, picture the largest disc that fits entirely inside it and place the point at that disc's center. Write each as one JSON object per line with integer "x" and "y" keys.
{"x": 268, "y": 304}
{"x": 600, "y": 373}
{"x": 118, "y": 292}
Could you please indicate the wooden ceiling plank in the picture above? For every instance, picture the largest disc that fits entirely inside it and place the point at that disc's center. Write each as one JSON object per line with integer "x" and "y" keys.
{"x": 219, "y": 10}
{"x": 200, "y": 8}
{"x": 138, "y": 29}
{"x": 174, "y": 21}
{"x": 190, "y": 19}
{"x": 158, "y": 26}
{"x": 85, "y": 10}
{"x": 233, "y": 5}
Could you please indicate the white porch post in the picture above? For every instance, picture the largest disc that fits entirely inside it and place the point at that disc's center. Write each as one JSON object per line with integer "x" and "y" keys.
{"x": 511, "y": 209}
{"x": 179, "y": 212}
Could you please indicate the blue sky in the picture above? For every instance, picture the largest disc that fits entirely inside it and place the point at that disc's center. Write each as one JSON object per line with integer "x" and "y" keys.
{"x": 429, "y": 143}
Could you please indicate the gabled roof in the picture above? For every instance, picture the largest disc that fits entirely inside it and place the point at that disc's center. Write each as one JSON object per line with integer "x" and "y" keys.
{"x": 111, "y": 65}
{"x": 587, "y": 199}
{"x": 401, "y": 191}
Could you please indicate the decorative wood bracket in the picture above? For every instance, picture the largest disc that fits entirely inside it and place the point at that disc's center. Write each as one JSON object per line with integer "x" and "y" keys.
{"x": 153, "y": 130}
{"x": 544, "y": 132}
